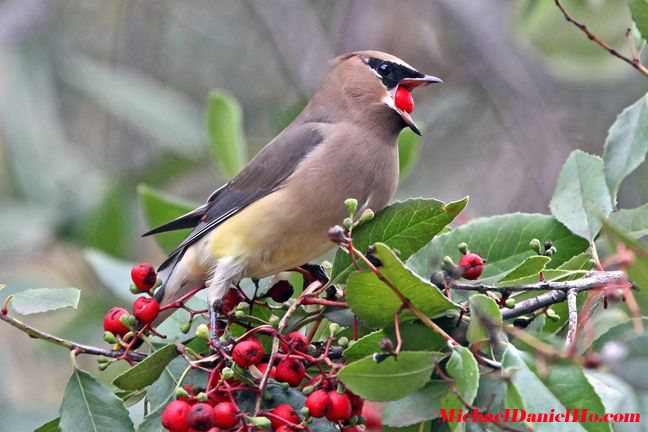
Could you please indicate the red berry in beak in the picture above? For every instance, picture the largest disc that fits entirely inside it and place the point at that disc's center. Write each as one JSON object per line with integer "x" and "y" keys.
{"x": 112, "y": 324}
{"x": 144, "y": 276}
{"x": 471, "y": 266}
{"x": 146, "y": 309}
{"x": 404, "y": 100}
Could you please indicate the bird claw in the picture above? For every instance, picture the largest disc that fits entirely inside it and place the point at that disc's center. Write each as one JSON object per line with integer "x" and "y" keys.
{"x": 213, "y": 324}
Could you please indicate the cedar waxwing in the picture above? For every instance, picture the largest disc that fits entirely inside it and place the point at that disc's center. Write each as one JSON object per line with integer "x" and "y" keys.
{"x": 275, "y": 214}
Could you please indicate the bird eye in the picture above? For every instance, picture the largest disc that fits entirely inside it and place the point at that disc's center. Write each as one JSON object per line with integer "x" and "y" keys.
{"x": 384, "y": 69}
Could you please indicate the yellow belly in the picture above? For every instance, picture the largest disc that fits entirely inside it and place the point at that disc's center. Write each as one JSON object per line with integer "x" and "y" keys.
{"x": 269, "y": 237}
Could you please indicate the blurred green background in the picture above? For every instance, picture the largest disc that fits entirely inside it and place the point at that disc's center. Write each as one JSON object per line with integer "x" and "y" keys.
{"x": 97, "y": 97}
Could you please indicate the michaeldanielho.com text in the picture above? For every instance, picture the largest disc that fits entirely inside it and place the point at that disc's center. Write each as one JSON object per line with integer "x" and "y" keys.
{"x": 520, "y": 415}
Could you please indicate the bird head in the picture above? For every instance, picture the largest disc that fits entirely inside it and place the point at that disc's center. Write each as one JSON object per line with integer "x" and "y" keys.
{"x": 370, "y": 79}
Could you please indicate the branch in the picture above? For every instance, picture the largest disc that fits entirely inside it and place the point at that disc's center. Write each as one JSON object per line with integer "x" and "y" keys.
{"x": 559, "y": 291}
{"x": 72, "y": 346}
{"x": 634, "y": 62}
{"x": 591, "y": 280}
{"x": 573, "y": 318}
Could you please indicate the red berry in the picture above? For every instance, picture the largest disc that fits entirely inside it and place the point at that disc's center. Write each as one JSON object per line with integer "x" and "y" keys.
{"x": 296, "y": 341}
{"x": 230, "y": 300}
{"x": 471, "y": 266}
{"x": 175, "y": 416}
{"x": 372, "y": 413}
{"x": 281, "y": 291}
{"x": 146, "y": 309}
{"x": 225, "y": 415}
{"x": 247, "y": 353}
{"x": 318, "y": 403}
{"x": 340, "y": 408}
{"x": 290, "y": 370}
{"x": 262, "y": 368}
{"x": 144, "y": 276}
{"x": 201, "y": 417}
{"x": 285, "y": 412}
{"x": 283, "y": 428}
{"x": 352, "y": 429}
{"x": 404, "y": 100}
{"x": 356, "y": 403}
{"x": 112, "y": 324}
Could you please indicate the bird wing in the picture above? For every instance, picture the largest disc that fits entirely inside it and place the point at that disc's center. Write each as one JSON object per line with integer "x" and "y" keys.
{"x": 265, "y": 173}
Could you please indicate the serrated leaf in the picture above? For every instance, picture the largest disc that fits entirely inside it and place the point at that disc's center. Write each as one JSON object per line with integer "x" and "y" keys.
{"x": 503, "y": 241}
{"x": 375, "y": 303}
{"x": 39, "y": 300}
{"x": 531, "y": 266}
{"x": 406, "y": 226}
{"x": 391, "y": 379}
{"x": 619, "y": 333}
{"x": 50, "y": 426}
{"x": 224, "y": 123}
{"x": 482, "y": 307}
{"x": 159, "y": 209}
{"x": 409, "y": 146}
{"x": 147, "y": 371}
{"x": 416, "y": 407}
{"x": 88, "y": 406}
{"x": 626, "y": 143}
{"x": 526, "y": 391}
{"x": 464, "y": 371}
{"x": 639, "y": 12}
{"x": 582, "y": 195}
{"x": 633, "y": 222}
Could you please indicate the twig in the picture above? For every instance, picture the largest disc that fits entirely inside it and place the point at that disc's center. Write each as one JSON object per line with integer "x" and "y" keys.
{"x": 275, "y": 341}
{"x": 634, "y": 62}
{"x": 408, "y": 304}
{"x": 591, "y": 280}
{"x": 72, "y": 346}
{"x": 570, "y": 340}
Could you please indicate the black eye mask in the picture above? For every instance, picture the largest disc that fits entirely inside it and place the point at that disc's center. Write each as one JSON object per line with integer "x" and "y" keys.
{"x": 391, "y": 74}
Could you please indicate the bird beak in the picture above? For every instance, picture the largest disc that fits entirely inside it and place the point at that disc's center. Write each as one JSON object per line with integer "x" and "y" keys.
{"x": 409, "y": 84}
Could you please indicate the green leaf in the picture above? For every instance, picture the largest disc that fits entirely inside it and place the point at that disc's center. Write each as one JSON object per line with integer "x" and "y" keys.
{"x": 409, "y": 147}
{"x": 160, "y": 209}
{"x": 375, "y": 303}
{"x": 153, "y": 420}
{"x": 427, "y": 426}
{"x": 88, "y": 406}
{"x": 633, "y": 222}
{"x": 39, "y": 300}
{"x": 582, "y": 196}
{"x": 406, "y": 226}
{"x": 417, "y": 336}
{"x": 391, "y": 379}
{"x": 148, "y": 370}
{"x": 503, "y": 241}
{"x": 627, "y": 140}
{"x": 531, "y": 266}
{"x": 463, "y": 369}
{"x": 50, "y": 426}
{"x": 416, "y": 407}
{"x": 639, "y": 12}
{"x": 108, "y": 226}
{"x": 365, "y": 346}
{"x": 482, "y": 306}
{"x": 526, "y": 391}
{"x": 619, "y": 333}
{"x": 224, "y": 123}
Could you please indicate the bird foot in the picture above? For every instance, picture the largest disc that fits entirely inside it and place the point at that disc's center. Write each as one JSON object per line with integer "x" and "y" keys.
{"x": 214, "y": 311}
